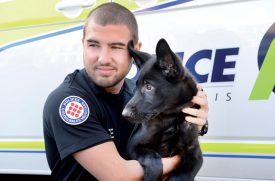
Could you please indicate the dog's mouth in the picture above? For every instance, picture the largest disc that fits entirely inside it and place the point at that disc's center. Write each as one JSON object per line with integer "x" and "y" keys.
{"x": 137, "y": 117}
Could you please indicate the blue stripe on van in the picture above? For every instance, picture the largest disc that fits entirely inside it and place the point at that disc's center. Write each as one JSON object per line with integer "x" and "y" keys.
{"x": 205, "y": 154}
{"x": 41, "y": 37}
{"x": 239, "y": 156}
{"x": 22, "y": 151}
{"x": 162, "y": 6}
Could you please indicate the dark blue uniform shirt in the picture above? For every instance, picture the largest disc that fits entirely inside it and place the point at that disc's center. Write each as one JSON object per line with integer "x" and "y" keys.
{"x": 78, "y": 115}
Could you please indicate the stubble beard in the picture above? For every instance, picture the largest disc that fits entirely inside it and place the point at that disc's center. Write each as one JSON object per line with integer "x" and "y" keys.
{"x": 106, "y": 82}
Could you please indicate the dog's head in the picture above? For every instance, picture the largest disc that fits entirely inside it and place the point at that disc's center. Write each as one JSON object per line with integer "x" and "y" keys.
{"x": 164, "y": 85}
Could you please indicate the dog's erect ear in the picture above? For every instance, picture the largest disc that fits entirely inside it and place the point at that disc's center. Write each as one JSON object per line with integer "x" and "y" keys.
{"x": 139, "y": 57}
{"x": 168, "y": 61}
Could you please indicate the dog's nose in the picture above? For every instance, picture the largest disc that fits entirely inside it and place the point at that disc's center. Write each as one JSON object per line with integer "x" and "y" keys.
{"x": 127, "y": 113}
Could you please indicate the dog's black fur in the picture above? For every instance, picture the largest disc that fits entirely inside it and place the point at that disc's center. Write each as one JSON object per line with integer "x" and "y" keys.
{"x": 164, "y": 87}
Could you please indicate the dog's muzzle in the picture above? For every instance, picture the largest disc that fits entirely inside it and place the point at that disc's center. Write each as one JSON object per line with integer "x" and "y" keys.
{"x": 132, "y": 115}
{"x": 127, "y": 113}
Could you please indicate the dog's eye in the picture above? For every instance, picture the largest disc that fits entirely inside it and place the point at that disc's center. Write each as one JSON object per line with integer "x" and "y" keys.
{"x": 148, "y": 87}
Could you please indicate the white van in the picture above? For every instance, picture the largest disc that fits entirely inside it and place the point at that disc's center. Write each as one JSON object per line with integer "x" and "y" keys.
{"x": 228, "y": 45}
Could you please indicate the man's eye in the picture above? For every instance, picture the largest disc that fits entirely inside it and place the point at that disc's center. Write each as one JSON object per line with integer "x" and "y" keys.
{"x": 116, "y": 47}
{"x": 93, "y": 45}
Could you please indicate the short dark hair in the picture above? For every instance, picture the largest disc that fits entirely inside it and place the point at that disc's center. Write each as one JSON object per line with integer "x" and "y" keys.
{"x": 114, "y": 14}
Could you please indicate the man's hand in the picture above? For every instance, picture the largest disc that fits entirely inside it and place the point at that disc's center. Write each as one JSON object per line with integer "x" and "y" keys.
{"x": 198, "y": 116}
{"x": 169, "y": 164}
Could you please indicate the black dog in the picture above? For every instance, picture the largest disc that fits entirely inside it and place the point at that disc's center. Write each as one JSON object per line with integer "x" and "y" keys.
{"x": 164, "y": 87}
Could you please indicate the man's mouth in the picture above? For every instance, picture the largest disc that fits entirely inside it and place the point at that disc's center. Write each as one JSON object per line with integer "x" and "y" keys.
{"x": 105, "y": 70}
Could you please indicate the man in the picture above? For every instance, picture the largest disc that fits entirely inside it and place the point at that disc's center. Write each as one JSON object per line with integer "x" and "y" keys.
{"x": 85, "y": 135}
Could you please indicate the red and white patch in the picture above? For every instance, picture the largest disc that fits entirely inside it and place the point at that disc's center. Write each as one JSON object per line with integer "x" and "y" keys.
{"x": 74, "y": 110}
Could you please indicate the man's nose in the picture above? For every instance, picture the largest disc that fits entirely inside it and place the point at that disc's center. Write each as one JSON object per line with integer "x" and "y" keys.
{"x": 104, "y": 55}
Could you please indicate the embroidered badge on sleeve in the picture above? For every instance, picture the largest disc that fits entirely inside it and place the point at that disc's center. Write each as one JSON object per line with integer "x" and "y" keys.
{"x": 74, "y": 110}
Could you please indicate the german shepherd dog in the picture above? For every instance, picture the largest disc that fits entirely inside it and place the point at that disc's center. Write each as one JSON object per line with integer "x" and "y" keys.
{"x": 163, "y": 88}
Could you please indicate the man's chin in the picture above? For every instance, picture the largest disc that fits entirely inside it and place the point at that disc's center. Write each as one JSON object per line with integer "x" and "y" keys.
{"x": 106, "y": 82}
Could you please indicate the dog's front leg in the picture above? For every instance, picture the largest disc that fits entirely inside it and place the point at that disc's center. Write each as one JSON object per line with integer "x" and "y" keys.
{"x": 152, "y": 165}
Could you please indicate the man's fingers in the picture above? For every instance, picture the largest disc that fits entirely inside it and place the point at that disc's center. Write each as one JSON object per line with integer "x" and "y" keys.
{"x": 191, "y": 111}
{"x": 198, "y": 121}
{"x": 200, "y": 101}
{"x": 199, "y": 87}
{"x": 197, "y": 113}
{"x": 170, "y": 163}
{"x": 201, "y": 94}
{"x": 198, "y": 116}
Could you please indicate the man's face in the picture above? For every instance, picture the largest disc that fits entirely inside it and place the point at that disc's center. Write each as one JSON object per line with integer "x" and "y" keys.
{"x": 105, "y": 54}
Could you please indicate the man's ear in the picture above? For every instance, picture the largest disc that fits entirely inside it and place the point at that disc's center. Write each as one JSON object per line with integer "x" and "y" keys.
{"x": 139, "y": 56}
{"x": 168, "y": 61}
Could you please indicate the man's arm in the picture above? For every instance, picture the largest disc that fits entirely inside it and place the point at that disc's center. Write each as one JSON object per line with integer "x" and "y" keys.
{"x": 104, "y": 162}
